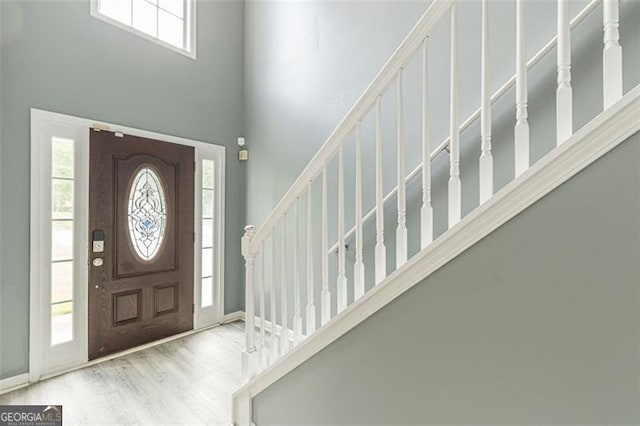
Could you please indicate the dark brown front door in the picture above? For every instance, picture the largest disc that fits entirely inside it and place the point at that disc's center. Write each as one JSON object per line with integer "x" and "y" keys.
{"x": 141, "y": 241}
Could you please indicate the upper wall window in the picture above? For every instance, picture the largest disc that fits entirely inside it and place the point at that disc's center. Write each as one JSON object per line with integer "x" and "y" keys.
{"x": 170, "y": 23}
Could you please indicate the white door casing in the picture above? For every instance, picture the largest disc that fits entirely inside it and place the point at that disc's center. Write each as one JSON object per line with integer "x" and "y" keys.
{"x": 46, "y": 359}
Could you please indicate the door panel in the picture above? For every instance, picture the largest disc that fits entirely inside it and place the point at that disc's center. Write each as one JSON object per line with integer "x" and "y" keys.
{"x": 141, "y": 204}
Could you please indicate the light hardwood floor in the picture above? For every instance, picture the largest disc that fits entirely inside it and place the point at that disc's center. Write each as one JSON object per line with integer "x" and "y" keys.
{"x": 186, "y": 381}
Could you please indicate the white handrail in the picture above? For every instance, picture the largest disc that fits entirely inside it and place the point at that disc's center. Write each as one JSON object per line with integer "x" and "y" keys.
{"x": 601, "y": 135}
{"x": 385, "y": 77}
{"x": 255, "y": 357}
{"x": 473, "y": 117}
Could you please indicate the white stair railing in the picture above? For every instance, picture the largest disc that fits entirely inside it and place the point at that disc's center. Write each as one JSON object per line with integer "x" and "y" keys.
{"x": 612, "y": 55}
{"x": 426, "y": 211}
{"x": 380, "y": 249}
{"x": 455, "y": 185}
{"x": 521, "y": 130}
{"x": 486, "y": 158}
{"x": 580, "y": 17}
{"x": 254, "y": 242}
{"x": 564, "y": 94}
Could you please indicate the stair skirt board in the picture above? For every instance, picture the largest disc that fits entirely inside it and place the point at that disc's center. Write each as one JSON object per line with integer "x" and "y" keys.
{"x": 594, "y": 140}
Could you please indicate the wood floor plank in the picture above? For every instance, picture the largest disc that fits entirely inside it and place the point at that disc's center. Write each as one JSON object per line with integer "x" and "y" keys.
{"x": 186, "y": 381}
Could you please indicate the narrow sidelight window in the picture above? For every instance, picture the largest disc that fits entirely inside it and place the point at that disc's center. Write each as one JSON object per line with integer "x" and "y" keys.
{"x": 208, "y": 181}
{"x": 62, "y": 255}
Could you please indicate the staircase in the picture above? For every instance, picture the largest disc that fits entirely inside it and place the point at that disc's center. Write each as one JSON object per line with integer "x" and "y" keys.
{"x": 274, "y": 346}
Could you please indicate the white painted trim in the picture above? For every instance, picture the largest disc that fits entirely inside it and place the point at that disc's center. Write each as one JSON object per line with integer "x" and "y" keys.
{"x": 241, "y": 411}
{"x": 114, "y": 127}
{"x": 594, "y": 140}
{"x": 234, "y": 316}
{"x": 15, "y": 382}
{"x": 35, "y": 338}
{"x": 68, "y": 353}
{"x": 39, "y": 120}
{"x": 191, "y": 24}
{"x": 214, "y": 314}
{"x": 43, "y": 356}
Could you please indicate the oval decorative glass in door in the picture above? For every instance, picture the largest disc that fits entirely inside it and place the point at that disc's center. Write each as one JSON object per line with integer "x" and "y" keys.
{"x": 147, "y": 213}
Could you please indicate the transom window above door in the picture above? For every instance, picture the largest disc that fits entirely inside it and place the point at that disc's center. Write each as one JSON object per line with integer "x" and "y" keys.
{"x": 170, "y": 23}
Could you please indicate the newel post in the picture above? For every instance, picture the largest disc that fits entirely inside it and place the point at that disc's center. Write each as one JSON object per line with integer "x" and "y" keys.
{"x": 249, "y": 354}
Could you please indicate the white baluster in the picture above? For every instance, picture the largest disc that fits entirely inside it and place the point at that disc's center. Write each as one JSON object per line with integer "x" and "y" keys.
{"x": 325, "y": 302}
{"x": 612, "y": 54}
{"x": 455, "y": 195}
{"x": 263, "y": 340}
{"x": 342, "y": 270}
{"x": 311, "y": 307}
{"x": 284, "y": 330}
{"x": 522, "y": 123}
{"x": 564, "y": 96}
{"x": 358, "y": 267}
{"x": 297, "y": 317}
{"x": 249, "y": 354}
{"x": 401, "y": 230}
{"x": 486, "y": 158}
{"x": 426, "y": 211}
{"x": 380, "y": 250}
{"x": 273, "y": 340}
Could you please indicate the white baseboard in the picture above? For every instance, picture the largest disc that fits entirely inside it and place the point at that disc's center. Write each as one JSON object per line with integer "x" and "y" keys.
{"x": 233, "y": 316}
{"x": 12, "y": 383}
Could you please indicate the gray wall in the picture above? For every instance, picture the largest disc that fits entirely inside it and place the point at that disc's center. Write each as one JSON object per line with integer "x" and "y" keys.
{"x": 1, "y": 45}
{"x": 538, "y": 323}
{"x": 56, "y": 57}
{"x": 308, "y": 62}
{"x": 305, "y": 65}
